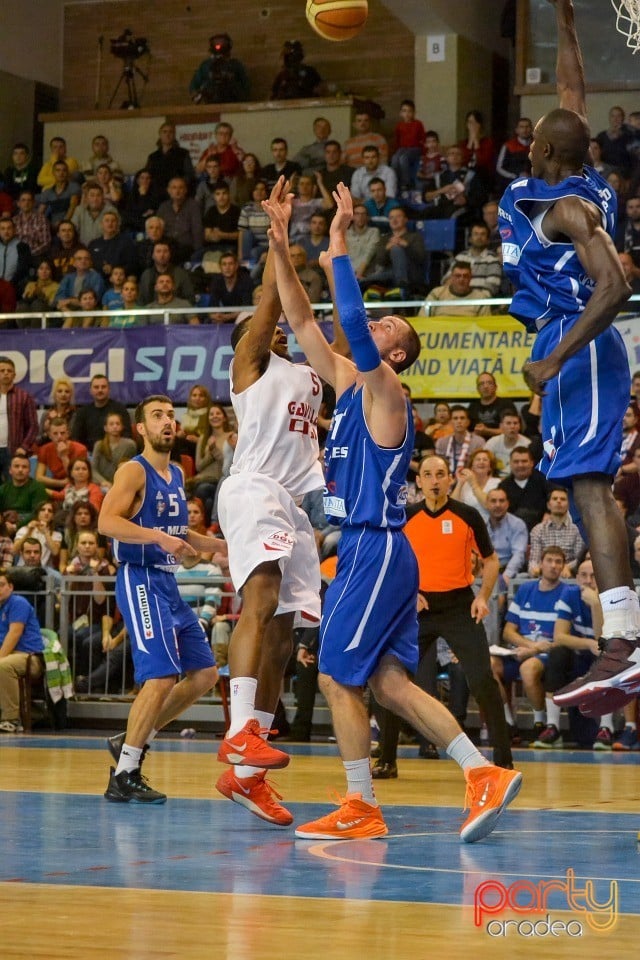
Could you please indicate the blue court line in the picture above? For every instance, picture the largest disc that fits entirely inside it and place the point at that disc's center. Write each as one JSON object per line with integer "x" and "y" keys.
{"x": 208, "y": 744}
{"x": 207, "y": 846}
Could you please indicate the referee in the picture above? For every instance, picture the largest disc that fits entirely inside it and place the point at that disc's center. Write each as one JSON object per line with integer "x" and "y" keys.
{"x": 445, "y": 534}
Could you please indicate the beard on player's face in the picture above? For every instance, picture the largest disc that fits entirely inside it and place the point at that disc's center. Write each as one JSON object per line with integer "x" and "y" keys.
{"x": 162, "y": 444}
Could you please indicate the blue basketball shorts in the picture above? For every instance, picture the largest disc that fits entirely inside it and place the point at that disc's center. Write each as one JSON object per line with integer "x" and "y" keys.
{"x": 165, "y": 636}
{"x": 370, "y": 607}
{"x": 583, "y": 406}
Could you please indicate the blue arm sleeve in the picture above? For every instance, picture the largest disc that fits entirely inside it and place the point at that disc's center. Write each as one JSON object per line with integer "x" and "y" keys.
{"x": 353, "y": 316}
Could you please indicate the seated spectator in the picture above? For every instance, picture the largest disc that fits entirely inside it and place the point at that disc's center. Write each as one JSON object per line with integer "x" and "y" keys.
{"x": 113, "y": 248}
{"x": 306, "y": 203}
{"x": 81, "y": 485}
{"x": 112, "y": 185}
{"x": 60, "y": 200}
{"x": 162, "y": 262}
{"x": 63, "y": 248}
{"x": 631, "y": 236}
{"x": 182, "y": 219}
{"x": 62, "y": 404}
{"x": 87, "y": 217}
{"x": 220, "y": 222}
{"x": 529, "y": 628}
{"x": 212, "y": 179}
{"x": 627, "y": 489}
{"x": 112, "y": 665}
{"x": 315, "y": 242}
{"x": 169, "y": 160}
{"x": 614, "y": 141}
{"x": 557, "y": 530}
{"x": 82, "y": 516}
{"x": 362, "y": 239}
{"x": 88, "y": 423}
{"x": 510, "y": 539}
{"x": 47, "y": 174}
{"x": 30, "y": 575}
{"x": 310, "y": 279}
{"x": 31, "y": 225}
{"x": 165, "y": 298}
{"x": 197, "y": 523}
{"x": 431, "y": 162}
{"x": 15, "y": 257}
{"x": 38, "y": 295}
{"x": 486, "y": 269}
{"x": 229, "y": 288}
{"x": 526, "y": 487}
{"x": 478, "y": 150}
{"x": 441, "y": 425}
{"x": 8, "y": 527}
{"x": 457, "y": 192}
{"x": 195, "y": 420}
{"x": 83, "y": 277}
{"x": 457, "y": 289}
{"x": 90, "y": 600}
{"x": 334, "y": 170}
{"x": 141, "y": 203}
{"x": 56, "y": 457}
{"x": 409, "y": 140}
{"x": 281, "y": 166}
{"x": 130, "y": 301}
{"x": 490, "y": 220}
{"x": 112, "y": 299}
{"x": 627, "y": 480}
{"x": 631, "y": 275}
{"x": 19, "y": 636}
{"x": 100, "y": 155}
{"x": 21, "y": 493}
{"x": 87, "y": 303}
{"x": 502, "y": 445}
{"x": 226, "y": 150}
{"x": 400, "y": 259}
{"x": 253, "y": 224}
{"x": 311, "y": 157}
{"x": 475, "y": 482}
{"x": 21, "y": 174}
{"x": 513, "y": 158}
{"x": 41, "y": 529}
{"x": 458, "y": 447}
{"x": 372, "y": 166}
{"x": 111, "y": 451}
{"x": 153, "y": 233}
{"x": 210, "y": 450}
{"x": 363, "y": 137}
{"x": 379, "y": 205}
{"x": 244, "y": 181}
{"x": 296, "y": 80}
{"x": 486, "y": 410}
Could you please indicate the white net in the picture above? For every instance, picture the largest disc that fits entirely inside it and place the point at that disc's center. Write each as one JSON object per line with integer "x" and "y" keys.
{"x": 628, "y": 21}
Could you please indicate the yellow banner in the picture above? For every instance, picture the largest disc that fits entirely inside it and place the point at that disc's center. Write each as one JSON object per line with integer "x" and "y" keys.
{"x": 455, "y": 350}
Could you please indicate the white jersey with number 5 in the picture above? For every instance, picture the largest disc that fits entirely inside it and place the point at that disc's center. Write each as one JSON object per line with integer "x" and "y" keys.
{"x": 278, "y": 426}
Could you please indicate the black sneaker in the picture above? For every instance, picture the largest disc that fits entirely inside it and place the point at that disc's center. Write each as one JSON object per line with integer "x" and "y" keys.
{"x": 384, "y": 771}
{"x": 537, "y": 730}
{"x": 115, "y": 744}
{"x": 428, "y": 751}
{"x": 131, "y": 786}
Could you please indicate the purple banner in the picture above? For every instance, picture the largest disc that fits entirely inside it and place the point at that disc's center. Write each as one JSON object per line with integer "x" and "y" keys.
{"x": 138, "y": 361}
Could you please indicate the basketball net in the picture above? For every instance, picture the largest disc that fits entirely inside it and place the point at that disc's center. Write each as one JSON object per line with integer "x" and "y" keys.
{"x": 628, "y": 21}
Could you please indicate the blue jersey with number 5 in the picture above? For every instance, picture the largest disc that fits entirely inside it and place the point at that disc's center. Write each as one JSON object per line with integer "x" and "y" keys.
{"x": 550, "y": 281}
{"x": 163, "y": 507}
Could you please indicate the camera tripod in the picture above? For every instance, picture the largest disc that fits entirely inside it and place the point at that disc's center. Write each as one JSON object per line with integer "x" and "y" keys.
{"x": 128, "y": 77}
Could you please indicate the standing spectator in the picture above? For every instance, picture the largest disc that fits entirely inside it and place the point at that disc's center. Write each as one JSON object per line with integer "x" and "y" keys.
{"x": 526, "y": 488}
{"x": 558, "y": 530}
{"x": 363, "y": 137}
{"x": 486, "y": 268}
{"x": 372, "y": 167}
{"x": 478, "y": 150}
{"x": 486, "y": 411}
{"x": 409, "y": 141}
{"x": 19, "y": 636}
{"x": 87, "y": 217}
{"x": 21, "y": 493}
{"x": 459, "y": 446}
{"x": 509, "y": 437}
{"x": 281, "y": 166}
{"x": 15, "y": 257}
{"x": 226, "y": 150}
{"x": 141, "y": 202}
{"x": 334, "y": 170}
{"x": 311, "y": 157}
{"x": 18, "y": 418}
{"x": 84, "y": 277}
{"x": 88, "y": 423}
{"x": 458, "y": 289}
{"x": 229, "y": 288}
{"x": 362, "y": 240}
{"x": 110, "y": 451}
{"x": 47, "y": 175}
{"x": 182, "y": 219}
{"x": 60, "y": 200}
{"x": 513, "y": 158}
{"x": 56, "y": 457}
{"x": 113, "y": 248}
{"x": 31, "y": 225}
{"x": 169, "y": 160}
{"x": 162, "y": 262}
{"x": 21, "y": 173}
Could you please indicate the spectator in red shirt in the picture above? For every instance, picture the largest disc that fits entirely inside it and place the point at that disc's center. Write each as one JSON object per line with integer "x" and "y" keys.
{"x": 409, "y": 141}
{"x": 56, "y": 457}
{"x": 18, "y": 418}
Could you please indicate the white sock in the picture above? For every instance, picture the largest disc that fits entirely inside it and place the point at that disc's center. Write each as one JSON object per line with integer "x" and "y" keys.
{"x": 630, "y": 724}
{"x": 539, "y": 716}
{"x": 242, "y": 703}
{"x": 129, "y": 759}
{"x": 607, "y": 721}
{"x": 265, "y": 720}
{"x": 152, "y": 735}
{"x": 635, "y": 603}
{"x": 465, "y": 754}
{"x": 508, "y": 715}
{"x": 553, "y": 713}
{"x": 359, "y": 779}
{"x": 620, "y": 612}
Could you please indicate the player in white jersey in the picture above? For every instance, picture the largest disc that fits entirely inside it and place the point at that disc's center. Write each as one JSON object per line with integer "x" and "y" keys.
{"x": 272, "y": 553}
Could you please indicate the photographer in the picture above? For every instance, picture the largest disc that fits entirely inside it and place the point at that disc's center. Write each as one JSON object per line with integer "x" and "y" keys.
{"x": 296, "y": 79}
{"x": 220, "y": 78}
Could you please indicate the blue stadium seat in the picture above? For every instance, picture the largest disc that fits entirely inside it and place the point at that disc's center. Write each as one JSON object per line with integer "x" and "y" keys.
{"x": 438, "y": 235}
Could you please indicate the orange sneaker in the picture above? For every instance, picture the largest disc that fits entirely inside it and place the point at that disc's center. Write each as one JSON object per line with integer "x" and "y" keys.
{"x": 248, "y": 749}
{"x": 256, "y": 794}
{"x": 489, "y": 790}
{"x": 354, "y": 819}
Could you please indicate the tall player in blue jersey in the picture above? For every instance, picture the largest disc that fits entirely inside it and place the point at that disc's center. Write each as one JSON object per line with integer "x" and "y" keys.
{"x": 145, "y": 512}
{"x": 556, "y": 229}
{"x": 369, "y": 631}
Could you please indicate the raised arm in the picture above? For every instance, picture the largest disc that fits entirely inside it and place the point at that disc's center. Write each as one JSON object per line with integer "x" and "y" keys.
{"x": 340, "y": 343}
{"x": 569, "y": 66}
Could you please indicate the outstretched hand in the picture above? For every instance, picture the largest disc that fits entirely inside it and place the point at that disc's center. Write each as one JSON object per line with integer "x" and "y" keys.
{"x": 279, "y": 206}
{"x": 344, "y": 211}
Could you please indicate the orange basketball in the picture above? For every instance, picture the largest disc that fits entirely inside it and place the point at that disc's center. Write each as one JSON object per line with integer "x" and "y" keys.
{"x": 337, "y": 19}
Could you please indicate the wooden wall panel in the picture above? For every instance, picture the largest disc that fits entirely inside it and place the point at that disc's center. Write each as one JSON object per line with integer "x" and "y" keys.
{"x": 378, "y": 64}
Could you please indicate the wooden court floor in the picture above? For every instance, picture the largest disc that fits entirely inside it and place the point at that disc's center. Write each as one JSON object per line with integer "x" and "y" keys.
{"x": 202, "y": 878}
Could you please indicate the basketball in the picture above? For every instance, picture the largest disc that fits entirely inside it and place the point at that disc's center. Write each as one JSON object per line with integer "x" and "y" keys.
{"x": 337, "y": 19}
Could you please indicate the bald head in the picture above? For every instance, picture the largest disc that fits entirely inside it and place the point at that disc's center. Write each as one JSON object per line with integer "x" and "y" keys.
{"x": 567, "y": 134}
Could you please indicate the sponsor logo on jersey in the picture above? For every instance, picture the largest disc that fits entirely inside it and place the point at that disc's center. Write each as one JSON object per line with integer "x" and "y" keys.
{"x": 403, "y": 496}
{"x": 335, "y": 507}
{"x": 278, "y": 540}
{"x": 145, "y": 612}
{"x": 160, "y": 504}
{"x": 511, "y": 253}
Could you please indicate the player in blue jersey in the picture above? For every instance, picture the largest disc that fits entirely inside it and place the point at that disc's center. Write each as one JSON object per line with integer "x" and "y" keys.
{"x": 369, "y": 630}
{"x": 556, "y": 230}
{"x": 145, "y": 512}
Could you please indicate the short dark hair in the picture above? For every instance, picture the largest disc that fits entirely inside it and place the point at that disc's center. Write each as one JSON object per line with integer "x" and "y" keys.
{"x": 370, "y": 148}
{"x": 138, "y": 415}
{"x": 555, "y": 551}
{"x": 31, "y": 541}
{"x": 509, "y": 412}
{"x": 8, "y": 360}
{"x": 522, "y": 449}
{"x": 408, "y": 103}
{"x": 333, "y": 143}
{"x": 457, "y": 407}
{"x": 279, "y": 140}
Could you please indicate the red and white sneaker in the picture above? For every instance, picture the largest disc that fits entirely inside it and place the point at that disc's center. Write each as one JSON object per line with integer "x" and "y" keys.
{"x": 247, "y": 748}
{"x": 355, "y": 819}
{"x": 489, "y": 790}
{"x": 256, "y": 794}
{"x": 617, "y": 668}
{"x": 605, "y": 701}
